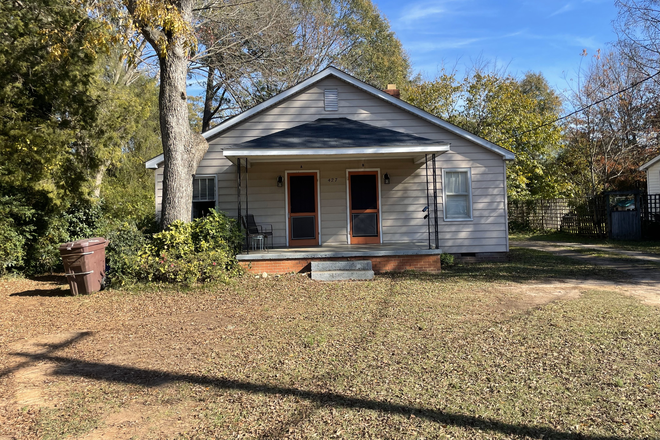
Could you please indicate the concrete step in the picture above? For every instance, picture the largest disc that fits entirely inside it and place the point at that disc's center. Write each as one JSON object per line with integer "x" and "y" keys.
{"x": 341, "y": 265}
{"x": 339, "y": 275}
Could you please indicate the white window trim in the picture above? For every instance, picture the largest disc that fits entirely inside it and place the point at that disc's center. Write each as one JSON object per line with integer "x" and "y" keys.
{"x": 215, "y": 192}
{"x": 444, "y": 194}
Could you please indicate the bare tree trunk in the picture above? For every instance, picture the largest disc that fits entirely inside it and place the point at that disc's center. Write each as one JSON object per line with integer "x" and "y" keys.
{"x": 208, "y": 100}
{"x": 183, "y": 149}
{"x": 98, "y": 179}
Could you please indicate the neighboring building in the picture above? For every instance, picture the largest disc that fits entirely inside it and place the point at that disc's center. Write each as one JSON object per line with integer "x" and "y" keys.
{"x": 334, "y": 162}
{"x": 652, "y": 169}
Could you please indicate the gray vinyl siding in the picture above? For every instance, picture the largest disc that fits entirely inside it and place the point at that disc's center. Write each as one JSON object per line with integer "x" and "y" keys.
{"x": 159, "y": 191}
{"x": 402, "y": 200}
{"x": 653, "y": 179}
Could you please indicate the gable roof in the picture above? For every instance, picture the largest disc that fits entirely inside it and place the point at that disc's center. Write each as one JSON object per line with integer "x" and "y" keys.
{"x": 650, "y": 163}
{"x": 335, "y": 132}
{"x": 332, "y": 71}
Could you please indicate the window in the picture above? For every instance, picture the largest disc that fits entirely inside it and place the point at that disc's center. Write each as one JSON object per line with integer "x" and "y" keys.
{"x": 331, "y": 99}
{"x": 203, "y": 195}
{"x": 457, "y": 194}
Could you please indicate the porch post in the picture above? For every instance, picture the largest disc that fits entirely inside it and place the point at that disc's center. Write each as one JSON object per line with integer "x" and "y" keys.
{"x": 435, "y": 205}
{"x": 247, "y": 209}
{"x": 238, "y": 193}
{"x": 428, "y": 201}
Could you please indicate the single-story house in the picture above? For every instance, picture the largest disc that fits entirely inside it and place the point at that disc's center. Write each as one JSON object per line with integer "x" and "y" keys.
{"x": 343, "y": 170}
{"x": 652, "y": 169}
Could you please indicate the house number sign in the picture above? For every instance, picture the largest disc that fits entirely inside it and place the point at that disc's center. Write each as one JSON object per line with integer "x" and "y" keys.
{"x": 333, "y": 179}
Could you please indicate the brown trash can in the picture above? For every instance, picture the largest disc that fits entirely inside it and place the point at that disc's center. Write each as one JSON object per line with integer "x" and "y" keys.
{"x": 84, "y": 264}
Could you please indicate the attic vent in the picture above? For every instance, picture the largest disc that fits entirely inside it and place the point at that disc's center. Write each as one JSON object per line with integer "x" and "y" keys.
{"x": 331, "y": 97}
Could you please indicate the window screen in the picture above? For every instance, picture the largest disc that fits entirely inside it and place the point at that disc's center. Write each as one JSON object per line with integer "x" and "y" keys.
{"x": 364, "y": 191}
{"x": 302, "y": 194}
{"x": 365, "y": 225}
{"x": 303, "y": 227}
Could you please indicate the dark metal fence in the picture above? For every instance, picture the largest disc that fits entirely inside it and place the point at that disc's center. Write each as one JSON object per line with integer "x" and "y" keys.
{"x": 650, "y": 215}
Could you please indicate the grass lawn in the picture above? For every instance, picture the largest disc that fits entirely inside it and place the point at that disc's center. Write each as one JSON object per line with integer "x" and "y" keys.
{"x": 648, "y": 246}
{"x": 481, "y": 351}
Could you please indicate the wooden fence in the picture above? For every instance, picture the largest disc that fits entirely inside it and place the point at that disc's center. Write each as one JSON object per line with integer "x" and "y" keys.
{"x": 582, "y": 216}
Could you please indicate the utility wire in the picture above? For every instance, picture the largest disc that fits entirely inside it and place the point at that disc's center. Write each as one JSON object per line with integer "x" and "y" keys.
{"x": 587, "y": 107}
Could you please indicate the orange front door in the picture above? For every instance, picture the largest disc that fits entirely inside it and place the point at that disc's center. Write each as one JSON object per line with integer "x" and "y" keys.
{"x": 364, "y": 207}
{"x": 303, "y": 209}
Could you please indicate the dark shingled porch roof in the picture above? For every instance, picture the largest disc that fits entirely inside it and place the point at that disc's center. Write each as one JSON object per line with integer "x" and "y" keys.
{"x": 337, "y": 133}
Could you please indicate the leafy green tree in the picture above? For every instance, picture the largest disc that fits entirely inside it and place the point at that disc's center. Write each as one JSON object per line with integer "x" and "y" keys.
{"x": 514, "y": 114}
{"x": 45, "y": 99}
{"x": 127, "y": 188}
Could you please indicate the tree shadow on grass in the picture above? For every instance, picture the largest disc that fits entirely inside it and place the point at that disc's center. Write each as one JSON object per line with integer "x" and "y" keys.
{"x": 44, "y": 293}
{"x": 153, "y": 378}
{"x": 51, "y": 278}
{"x": 48, "y": 291}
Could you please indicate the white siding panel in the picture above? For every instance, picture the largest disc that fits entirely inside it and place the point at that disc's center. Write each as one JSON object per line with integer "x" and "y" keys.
{"x": 158, "y": 174}
{"x": 401, "y": 201}
{"x": 653, "y": 179}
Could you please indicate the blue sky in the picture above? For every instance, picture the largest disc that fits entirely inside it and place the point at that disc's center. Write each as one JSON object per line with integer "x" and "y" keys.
{"x": 545, "y": 36}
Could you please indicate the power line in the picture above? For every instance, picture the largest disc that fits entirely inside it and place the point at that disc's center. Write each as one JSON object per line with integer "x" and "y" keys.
{"x": 587, "y": 107}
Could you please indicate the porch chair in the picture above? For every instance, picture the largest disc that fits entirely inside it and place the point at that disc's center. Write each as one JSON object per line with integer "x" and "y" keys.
{"x": 255, "y": 230}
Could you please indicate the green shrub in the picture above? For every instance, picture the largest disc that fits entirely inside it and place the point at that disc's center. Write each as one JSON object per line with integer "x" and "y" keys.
{"x": 126, "y": 241}
{"x": 43, "y": 252}
{"x": 83, "y": 219}
{"x": 202, "y": 250}
{"x": 12, "y": 250}
{"x": 446, "y": 260}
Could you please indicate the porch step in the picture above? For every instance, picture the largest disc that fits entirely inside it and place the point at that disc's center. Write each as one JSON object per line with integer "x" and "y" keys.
{"x": 342, "y": 270}
{"x": 324, "y": 266}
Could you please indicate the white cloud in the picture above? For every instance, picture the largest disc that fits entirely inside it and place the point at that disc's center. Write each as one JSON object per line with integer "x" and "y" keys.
{"x": 441, "y": 44}
{"x": 566, "y": 8}
{"x": 425, "y": 10}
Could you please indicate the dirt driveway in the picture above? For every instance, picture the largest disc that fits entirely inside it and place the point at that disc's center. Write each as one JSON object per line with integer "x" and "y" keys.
{"x": 642, "y": 270}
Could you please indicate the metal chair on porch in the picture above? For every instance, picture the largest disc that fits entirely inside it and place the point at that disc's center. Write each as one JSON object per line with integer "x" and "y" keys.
{"x": 257, "y": 232}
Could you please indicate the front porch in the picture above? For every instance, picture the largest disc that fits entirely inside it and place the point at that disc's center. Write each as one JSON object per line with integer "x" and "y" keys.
{"x": 391, "y": 257}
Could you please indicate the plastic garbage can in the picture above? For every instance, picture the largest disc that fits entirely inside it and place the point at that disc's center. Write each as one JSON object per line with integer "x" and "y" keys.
{"x": 84, "y": 264}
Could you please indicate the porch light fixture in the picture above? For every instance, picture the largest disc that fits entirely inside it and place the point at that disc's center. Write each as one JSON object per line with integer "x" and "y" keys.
{"x": 279, "y": 181}
{"x": 386, "y": 179}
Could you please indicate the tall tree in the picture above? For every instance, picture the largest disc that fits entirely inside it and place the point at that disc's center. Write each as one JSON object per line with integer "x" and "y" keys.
{"x": 514, "y": 114}
{"x": 638, "y": 28}
{"x": 172, "y": 29}
{"x": 45, "y": 99}
{"x": 617, "y": 130}
{"x": 275, "y": 44}
{"x": 169, "y": 28}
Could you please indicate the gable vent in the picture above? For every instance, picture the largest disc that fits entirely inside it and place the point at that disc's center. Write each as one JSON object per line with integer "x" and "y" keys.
{"x": 331, "y": 97}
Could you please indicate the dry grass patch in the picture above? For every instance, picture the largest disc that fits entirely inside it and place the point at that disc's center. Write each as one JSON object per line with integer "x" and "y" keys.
{"x": 471, "y": 353}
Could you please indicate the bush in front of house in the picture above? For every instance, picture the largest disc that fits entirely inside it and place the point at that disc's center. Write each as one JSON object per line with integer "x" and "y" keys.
{"x": 126, "y": 240}
{"x": 200, "y": 251}
{"x": 446, "y": 260}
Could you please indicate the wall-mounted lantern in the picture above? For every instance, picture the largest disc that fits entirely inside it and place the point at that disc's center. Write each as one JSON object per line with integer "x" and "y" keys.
{"x": 279, "y": 181}
{"x": 386, "y": 179}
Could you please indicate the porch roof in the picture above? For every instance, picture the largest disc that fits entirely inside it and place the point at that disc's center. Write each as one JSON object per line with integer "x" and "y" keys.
{"x": 335, "y": 138}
